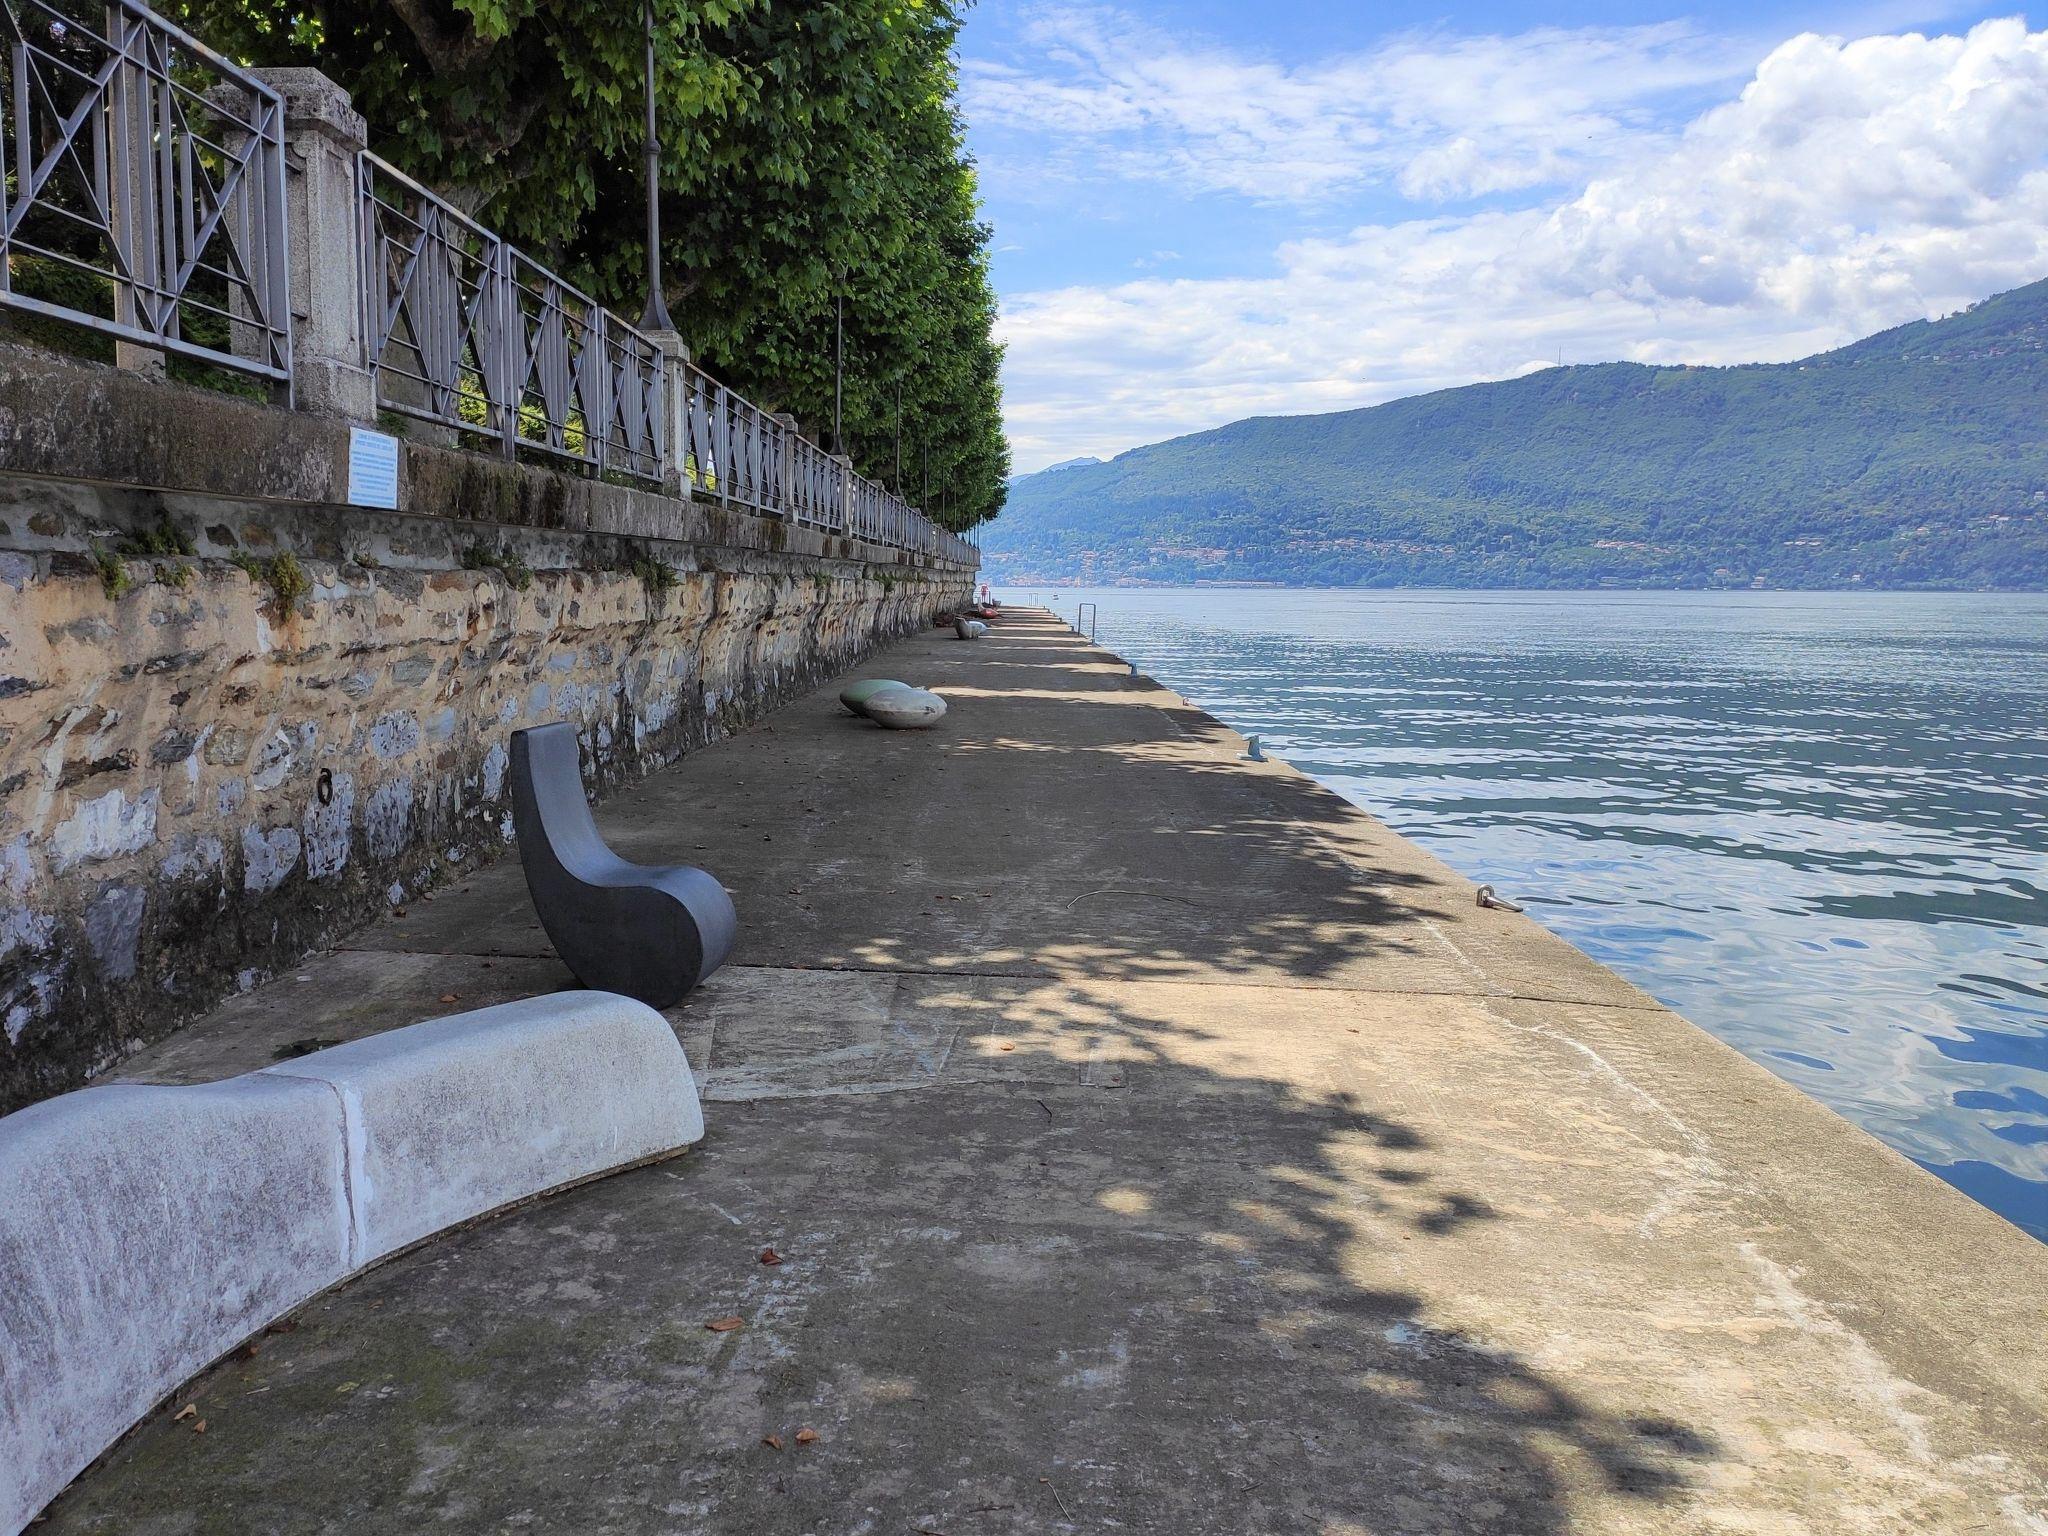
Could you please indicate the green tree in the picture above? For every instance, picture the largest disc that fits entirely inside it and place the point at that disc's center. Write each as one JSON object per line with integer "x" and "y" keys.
{"x": 811, "y": 157}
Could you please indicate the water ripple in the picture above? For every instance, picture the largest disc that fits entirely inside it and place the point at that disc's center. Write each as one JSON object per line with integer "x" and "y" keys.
{"x": 1815, "y": 824}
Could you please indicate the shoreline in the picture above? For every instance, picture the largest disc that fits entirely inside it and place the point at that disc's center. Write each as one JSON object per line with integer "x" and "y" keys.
{"x": 1565, "y": 861}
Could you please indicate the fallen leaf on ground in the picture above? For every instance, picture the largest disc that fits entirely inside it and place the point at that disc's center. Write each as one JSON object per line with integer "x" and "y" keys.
{"x": 184, "y": 1413}
{"x": 1007, "y": 1045}
{"x": 770, "y": 1256}
{"x": 450, "y": 997}
{"x": 806, "y": 1435}
{"x": 773, "y": 1442}
{"x": 726, "y": 1324}
{"x": 199, "y": 1428}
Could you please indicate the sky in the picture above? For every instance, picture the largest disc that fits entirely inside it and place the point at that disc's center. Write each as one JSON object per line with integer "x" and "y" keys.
{"x": 1224, "y": 208}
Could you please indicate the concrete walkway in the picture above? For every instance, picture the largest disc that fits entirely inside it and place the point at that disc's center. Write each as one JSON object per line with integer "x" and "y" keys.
{"x": 1151, "y": 1143}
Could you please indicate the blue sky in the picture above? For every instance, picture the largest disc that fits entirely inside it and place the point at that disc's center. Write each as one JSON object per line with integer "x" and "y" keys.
{"x": 1210, "y": 210}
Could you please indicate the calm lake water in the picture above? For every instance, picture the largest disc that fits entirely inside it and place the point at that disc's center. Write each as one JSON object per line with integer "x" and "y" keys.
{"x": 1815, "y": 824}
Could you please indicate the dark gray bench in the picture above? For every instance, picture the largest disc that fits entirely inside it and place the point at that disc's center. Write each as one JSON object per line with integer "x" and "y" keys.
{"x": 650, "y": 933}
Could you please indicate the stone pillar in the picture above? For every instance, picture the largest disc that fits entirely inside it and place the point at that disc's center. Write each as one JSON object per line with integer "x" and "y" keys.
{"x": 323, "y": 134}
{"x": 675, "y": 398}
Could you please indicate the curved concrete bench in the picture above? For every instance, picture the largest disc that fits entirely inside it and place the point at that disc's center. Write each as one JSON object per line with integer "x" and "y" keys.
{"x": 146, "y": 1231}
{"x": 650, "y": 932}
{"x": 449, "y": 1119}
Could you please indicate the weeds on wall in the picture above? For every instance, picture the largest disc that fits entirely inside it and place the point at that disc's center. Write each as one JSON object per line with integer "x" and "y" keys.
{"x": 479, "y": 557}
{"x": 282, "y": 573}
{"x": 655, "y": 575}
{"x": 166, "y": 538}
{"x": 114, "y": 576}
{"x": 288, "y": 580}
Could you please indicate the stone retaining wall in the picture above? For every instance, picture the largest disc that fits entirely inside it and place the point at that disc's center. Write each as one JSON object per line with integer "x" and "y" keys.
{"x": 232, "y": 728}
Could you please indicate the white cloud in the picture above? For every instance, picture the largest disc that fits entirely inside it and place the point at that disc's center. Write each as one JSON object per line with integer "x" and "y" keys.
{"x": 1849, "y": 186}
{"x": 1441, "y": 117}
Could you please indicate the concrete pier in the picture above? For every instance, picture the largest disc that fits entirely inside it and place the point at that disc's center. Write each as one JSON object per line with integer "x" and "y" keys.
{"x": 1144, "y": 1140}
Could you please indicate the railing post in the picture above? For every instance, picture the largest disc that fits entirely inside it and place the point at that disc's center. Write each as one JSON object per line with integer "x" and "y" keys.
{"x": 721, "y": 440}
{"x": 597, "y": 418}
{"x": 134, "y": 225}
{"x": 845, "y": 463}
{"x": 323, "y": 134}
{"x": 785, "y": 461}
{"x": 675, "y": 405}
{"x": 503, "y": 350}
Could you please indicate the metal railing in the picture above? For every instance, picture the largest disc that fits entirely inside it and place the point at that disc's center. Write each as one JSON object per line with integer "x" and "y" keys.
{"x": 469, "y": 331}
{"x": 739, "y": 453}
{"x": 142, "y": 186}
{"x": 731, "y": 449}
{"x": 142, "y": 195}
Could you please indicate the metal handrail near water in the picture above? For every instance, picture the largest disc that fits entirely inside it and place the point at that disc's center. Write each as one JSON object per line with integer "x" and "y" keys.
{"x": 147, "y": 171}
{"x": 1089, "y": 610}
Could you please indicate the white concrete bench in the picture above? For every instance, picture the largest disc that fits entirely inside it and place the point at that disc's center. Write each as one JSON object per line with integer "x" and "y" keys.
{"x": 147, "y": 1231}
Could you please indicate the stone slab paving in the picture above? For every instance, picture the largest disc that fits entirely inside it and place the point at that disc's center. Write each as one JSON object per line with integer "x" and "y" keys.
{"x": 1151, "y": 1142}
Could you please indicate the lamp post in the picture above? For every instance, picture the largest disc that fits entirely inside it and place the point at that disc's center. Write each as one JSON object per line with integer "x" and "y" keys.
{"x": 655, "y": 316}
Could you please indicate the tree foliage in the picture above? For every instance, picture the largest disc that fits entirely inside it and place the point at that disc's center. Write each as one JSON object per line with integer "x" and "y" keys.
{"x": 1912, "y": 458}
{"x": 810, "y": 156}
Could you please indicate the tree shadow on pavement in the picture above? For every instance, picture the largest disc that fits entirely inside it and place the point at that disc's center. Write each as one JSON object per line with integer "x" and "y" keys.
{"x": 1124, "y": 1262}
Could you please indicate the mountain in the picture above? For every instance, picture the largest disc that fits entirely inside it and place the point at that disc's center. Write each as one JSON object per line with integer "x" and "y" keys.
{"x": 1053, "y": 469}
{"x": 1914, "y": 458}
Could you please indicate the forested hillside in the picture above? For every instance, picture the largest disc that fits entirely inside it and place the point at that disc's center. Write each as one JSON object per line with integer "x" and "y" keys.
{"x": 1918, "y": 457}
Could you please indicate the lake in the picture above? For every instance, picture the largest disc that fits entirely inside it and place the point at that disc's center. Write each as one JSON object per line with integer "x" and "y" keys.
{"x": 1814, "y": 823}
